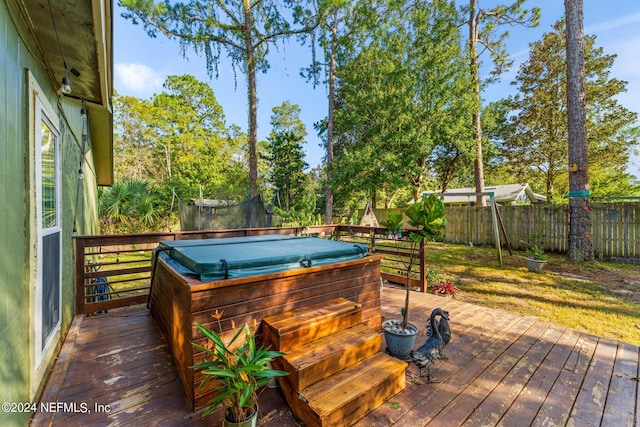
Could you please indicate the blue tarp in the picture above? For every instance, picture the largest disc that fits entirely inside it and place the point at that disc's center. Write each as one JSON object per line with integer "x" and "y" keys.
{"x": 215, "y": 259}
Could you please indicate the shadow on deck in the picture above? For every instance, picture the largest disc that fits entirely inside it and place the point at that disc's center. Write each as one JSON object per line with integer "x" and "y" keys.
{"x": 502, "y": 369}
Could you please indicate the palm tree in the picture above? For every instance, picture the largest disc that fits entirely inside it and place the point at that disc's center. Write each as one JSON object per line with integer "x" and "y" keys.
{"x": 130, "y": 206}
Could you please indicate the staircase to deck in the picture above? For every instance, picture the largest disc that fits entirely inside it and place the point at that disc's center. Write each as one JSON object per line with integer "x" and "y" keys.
{"x": 337, "y": 372}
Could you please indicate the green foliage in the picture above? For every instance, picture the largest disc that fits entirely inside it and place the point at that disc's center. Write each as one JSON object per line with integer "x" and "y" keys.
{"x": 491, "y": 32}
{"x": 536, "y": 144}
{"x": 243, "y": 29}
{"x": 304, "y": 216}
{"x": 486, "y": 30}
{"x": 393, "y": 223}
{"x": 133, "y": 146}
{"x": 535, "y": 242}
{"x": 130, "y": 206}
{"x": 428, "y": 217}
{"x": 536, "y": 252}
{"x": 179, "y": 140}
{"x": 404, "y": 95}
{"x": 432, "y": 277}
{"x": 240, "y": 369}
{"x": 284, "y": 154}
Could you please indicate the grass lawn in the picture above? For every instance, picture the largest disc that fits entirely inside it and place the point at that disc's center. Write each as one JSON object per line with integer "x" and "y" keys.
{"x": 601, "y": 298}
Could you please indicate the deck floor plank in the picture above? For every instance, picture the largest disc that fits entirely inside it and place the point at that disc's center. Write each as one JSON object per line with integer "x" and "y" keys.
{"x": 620, "y": 409}
{"x": 541, "y": 380}
{"x": 557, "y": 406}
{"x": 453, "y": 376}
{"x": 516, "y": 361}
{"x": 467, "y": 342}
{"x": 474, "y": 390}
{"x": 589, "y": 405}
{"x": 502, "y": 369}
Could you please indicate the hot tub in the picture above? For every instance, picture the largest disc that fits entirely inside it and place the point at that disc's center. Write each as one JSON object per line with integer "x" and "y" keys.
{"x": 216, "y": 259}
{"x": 247, "y": 279}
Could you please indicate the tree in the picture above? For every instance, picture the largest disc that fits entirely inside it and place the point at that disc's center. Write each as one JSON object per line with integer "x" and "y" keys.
{"x": 245, "y": 29}
{"x": 339, "y": 21}
{"x": 178, "y": 140}
{"x": 580, "y": 246}
{"x": 536, "y": 141}
{"x": 285, "y": 155}
{"x": 192, "y": 142}
{"x": 484, "y": 26}
{"x": 133, "y": 148}
{"x": 401, "y": 97}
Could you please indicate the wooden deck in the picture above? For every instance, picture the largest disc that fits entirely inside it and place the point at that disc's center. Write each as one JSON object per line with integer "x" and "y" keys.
{"x": 502, "y": 369}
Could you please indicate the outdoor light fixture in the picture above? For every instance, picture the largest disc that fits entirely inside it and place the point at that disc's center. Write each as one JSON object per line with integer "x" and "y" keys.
{"x": 66, "y": 84}
{"x": 83, "y": 111}
{"x": 65, "y": 88}
{"x": 80, "y": 171}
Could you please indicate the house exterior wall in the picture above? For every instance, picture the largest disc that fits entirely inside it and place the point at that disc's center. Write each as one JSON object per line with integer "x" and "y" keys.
{"x": 18, "y": 382}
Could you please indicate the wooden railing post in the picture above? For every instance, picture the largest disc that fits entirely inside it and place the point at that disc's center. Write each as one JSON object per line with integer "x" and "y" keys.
{"x": 373, "y": 240}
{"x": 80, "y": 262}
{"x": 423, "y": 267}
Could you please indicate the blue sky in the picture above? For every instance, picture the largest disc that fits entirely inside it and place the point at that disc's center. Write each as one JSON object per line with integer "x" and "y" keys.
{"x": 142, "y": 65}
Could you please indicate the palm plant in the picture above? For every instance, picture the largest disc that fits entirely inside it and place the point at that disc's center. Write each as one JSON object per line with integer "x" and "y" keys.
{"x": 240, "y": 369}
{"x": 130, "y": 205}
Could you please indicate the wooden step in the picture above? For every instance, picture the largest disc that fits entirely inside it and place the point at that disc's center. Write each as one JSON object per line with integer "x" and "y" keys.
{"x": 347, "y": 396}
{"x": 323, "y": 357}
{"x": 291, "y": 329}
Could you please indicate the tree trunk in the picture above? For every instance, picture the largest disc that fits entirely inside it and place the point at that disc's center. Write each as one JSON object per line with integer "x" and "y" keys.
{"x": 449, "y": 173}
{"x": 475, "y": 80}
{"x": 580, "y": 245}
{"x": 328, "y": 216}
{"x": 253, "y": 115}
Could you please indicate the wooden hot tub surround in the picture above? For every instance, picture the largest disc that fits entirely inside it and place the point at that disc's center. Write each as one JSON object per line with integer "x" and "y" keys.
{"x": 177, "y": 302}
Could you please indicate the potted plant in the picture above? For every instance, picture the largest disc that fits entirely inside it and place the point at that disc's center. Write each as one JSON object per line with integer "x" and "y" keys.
{"x": 536, "y": 259}
{"x": 428, "y": 219}
{"x": 535, "y": 256}
{"x": 240, "y": 369}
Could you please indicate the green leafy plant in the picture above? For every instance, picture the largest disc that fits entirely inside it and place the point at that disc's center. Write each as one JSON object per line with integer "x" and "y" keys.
{"x": 535, "y": 243}
{"x": 428, "y": 219}
{"x": 393, "y": 223}
{"x": 432, "y": 277}
{"x": 240, "y": 369}
{"x": 536, "y": 252}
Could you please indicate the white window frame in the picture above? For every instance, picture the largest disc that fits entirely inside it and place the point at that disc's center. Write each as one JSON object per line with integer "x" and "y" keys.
{"x": 41, "y": 111}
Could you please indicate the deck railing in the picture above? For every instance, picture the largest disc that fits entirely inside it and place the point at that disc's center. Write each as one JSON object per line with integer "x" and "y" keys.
{"x": 114, "y": 271}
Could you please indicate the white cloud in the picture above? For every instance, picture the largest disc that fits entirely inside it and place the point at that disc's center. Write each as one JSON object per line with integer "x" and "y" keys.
{"x": 137, "y": 79}
{"x": 613, "y": 24}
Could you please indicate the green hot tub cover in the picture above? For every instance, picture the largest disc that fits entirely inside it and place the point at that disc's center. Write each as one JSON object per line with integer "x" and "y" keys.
{"x": 215, "y": 259}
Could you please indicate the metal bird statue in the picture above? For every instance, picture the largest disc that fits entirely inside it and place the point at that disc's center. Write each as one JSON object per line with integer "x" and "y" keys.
{"x": 443, "y": 327}
{"x": 432, "y": 350}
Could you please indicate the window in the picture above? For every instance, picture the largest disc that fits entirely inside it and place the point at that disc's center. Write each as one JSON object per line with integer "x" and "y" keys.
{"x": 46, "y": 232}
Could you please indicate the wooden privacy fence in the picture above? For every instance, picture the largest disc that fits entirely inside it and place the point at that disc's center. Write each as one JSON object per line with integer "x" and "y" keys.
{"x": 615, "y": 227}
